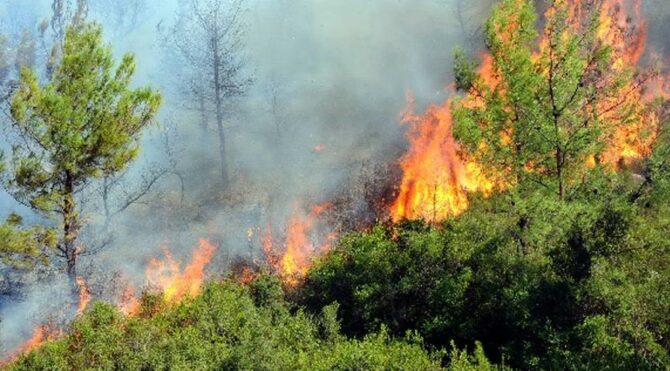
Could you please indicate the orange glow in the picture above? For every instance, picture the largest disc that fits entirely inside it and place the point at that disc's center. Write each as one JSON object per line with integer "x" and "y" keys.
{"x": 437, "y": 175}
{"x": 436, "y": 178}
{"x": 319, "y": 148}
{"x": 624, "y": 28}
{"x": 246, "y": 276}
{"x": 84, "y": 294}
{"x": 40, "y": 335}
{"x": 129, "y": 304}
{"x": 300, "y": 246}
{"x": 176, "y": 284}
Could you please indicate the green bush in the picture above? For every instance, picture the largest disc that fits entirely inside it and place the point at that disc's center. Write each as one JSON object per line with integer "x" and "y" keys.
{"x": 229, "y": 326}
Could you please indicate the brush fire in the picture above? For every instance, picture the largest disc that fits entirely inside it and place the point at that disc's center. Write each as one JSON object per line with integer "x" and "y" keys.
{"x": 438, "y": 175}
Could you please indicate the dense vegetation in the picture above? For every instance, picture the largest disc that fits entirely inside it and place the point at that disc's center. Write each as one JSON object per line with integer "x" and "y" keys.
{"x": 228, "y": 327}
{"x": 566, "y": 266}
{"x": 569, "y": 265}
{"x": 540, "y": 284}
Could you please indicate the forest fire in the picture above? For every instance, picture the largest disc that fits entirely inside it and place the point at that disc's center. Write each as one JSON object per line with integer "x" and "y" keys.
{"x": 175, "y": 284}
{"x": 299, "y": 246}
{"x": 128, "y": 303}
{"x": 167, "y": 277}
{"x": 624, "y": 28}
{"x": 438, "y": 175}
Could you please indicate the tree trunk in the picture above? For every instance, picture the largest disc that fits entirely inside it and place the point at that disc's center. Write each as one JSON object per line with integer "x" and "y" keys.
{"x": 559, "y": 173}
{"x": 203, "y": 117}
{"x": 70, "y": 234}
{"x": 70, "y": 229}
{"x": 218, "y": 92}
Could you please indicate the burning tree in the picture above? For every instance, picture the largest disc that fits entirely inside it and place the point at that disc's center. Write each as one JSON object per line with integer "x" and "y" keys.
{"x": 546, "y": 116}
{"x": 80, "y": 126}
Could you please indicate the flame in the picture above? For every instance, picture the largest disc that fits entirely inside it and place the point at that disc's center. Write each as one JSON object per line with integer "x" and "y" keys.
{"x": 176, "y": 284}
{"x": 246, "y": 275}
{"x": 299, "y": 246}
{"x": 128, "y": 302}
{"x": 84, "y": 294}
{"x": 319, "y": 148}
{"x": 438, "y": 175}
{"x": 41, "y": 334}
{"x": 624, "y": 28}
{"x": 436, "y": 178}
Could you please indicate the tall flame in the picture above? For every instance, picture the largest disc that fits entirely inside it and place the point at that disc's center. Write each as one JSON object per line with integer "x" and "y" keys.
{"x": 436, "y": 177}
{"x": 624, "y": 28}
{"x": 128, "y": 303}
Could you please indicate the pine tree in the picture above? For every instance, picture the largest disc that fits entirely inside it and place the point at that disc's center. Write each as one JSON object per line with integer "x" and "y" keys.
{"x": 546, "y": 116}
{"x": 83, "y": 124}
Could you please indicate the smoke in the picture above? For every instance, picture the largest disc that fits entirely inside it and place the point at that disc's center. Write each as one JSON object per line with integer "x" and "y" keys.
{"x": 330, "y": 79}
{"x": 329, "y": 83}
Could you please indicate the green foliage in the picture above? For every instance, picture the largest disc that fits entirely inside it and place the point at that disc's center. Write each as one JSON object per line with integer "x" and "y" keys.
{"x": 464, "y": 71}
{"x": 462, "y": 361}
{"x": 221, "y": 329}
{"x": 24, "y": 247}
{"x": 84, "y": 123}
{"x": 536, "y": 280}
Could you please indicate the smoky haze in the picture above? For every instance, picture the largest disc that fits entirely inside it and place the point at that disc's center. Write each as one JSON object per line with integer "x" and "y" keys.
{"x": 329, "y": 83}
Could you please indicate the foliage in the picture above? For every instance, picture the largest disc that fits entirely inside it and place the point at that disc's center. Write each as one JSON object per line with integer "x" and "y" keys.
{"x": 83, "y": 124}
{"x": 536, "y": 280}
{"x": 24, "y": 247}
{"x": 544, "y": 118}
{"x": 221, "y": 329}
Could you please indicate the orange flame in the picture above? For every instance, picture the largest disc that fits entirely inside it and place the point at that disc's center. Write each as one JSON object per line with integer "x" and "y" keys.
{"x": 128, "y": 302}
{"x": 437, "y": 175}
{"x": 84, "y": 294}
{"x": 299, "y": 247}
{"x": 40, "y": 335}
{"x": 176, "y": 284}
{"x": 623, "y": 28}
{"x": 436, "y": 178}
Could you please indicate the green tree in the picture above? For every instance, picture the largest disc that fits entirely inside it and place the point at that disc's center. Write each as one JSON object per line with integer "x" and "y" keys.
{"x": 24, "y": 247}
{"x": 81, "y": 125}
{"x": 544, "y": 117}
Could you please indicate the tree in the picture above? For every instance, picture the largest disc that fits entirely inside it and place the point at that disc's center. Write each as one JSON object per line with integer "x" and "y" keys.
{"x": 547, "y": 117}
{"x": 208, "y": 36}
{"x": 80, "y": 126}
